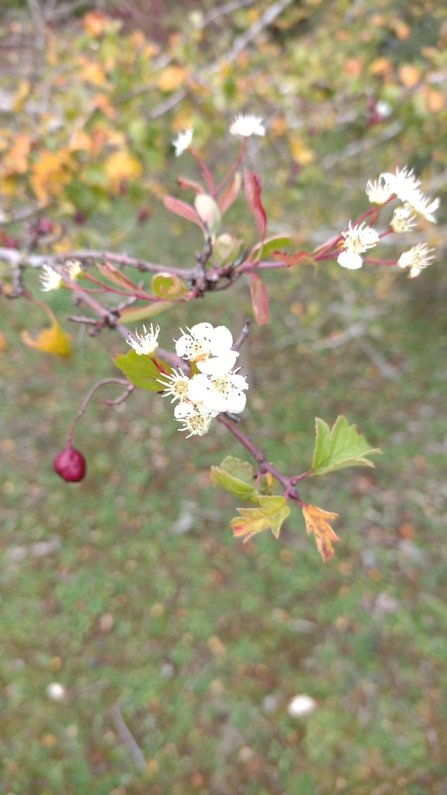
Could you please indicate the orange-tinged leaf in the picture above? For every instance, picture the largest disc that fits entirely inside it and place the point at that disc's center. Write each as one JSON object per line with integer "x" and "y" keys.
{"x": 115, "y": 276}
{"x": 49, "y": 175}
{"x": 435, "y": 100}
{"x": 94, "y": 22}
{"x": 3, "y": 343}
{"x": 259, "y": 299}
{"x": 409, "y": 75}
{"x": 121, "y": 165}
{"x": 317, "y": 522}
{"x": 253, "y": 188}
{"x": 16, "y": 160}
{"x": 50, "y": 340}
{"x": 171, "y": 78}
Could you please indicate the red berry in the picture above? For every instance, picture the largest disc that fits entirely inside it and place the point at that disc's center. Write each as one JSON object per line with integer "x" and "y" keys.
{"x": 70, "y": 464}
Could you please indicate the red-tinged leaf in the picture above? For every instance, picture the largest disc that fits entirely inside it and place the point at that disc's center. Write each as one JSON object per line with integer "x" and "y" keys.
{"x": 132, "y": 314}
{"x": 115, "y": 276}
{"x": 252, "y": 185}
{"x": 189, "y": 184}
{"x": 317, "y": 522}
{"x": 300, "y": 257}
{"x": 259, "y": 299}
{"x": 184, "y": 210}
{"x": 229, "y": 193}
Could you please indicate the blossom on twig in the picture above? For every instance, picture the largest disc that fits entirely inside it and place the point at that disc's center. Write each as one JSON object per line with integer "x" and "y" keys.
{"x": 182, "y": 141}
{"x": 247, "y": 125}
{"x": 144, "y": 344}
{"x": 50, "y": 279}
{"x": 417, "y": 259}
{"x": 357, "y": 240}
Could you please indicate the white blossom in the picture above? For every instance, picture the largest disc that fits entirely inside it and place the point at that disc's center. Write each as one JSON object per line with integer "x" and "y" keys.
{"x": 204, "y": 341}
{"x": 144, "y": 344}
{"x": 360, "y": 238}
{"x": 405, "y": 186}
{"x": 350, "y": 260}
{"x": 224, "y": 392}
{"x": 178, "y": 386}
{"x": 357, "y": 239}
{"x": 378, "y": 192}
{"x": 403, "y": 183}
{"x": 183, "y": 141}
{"x": 247, "y": 125}
{"x": 195, "y": 419}
{"x": 50, "y": 279}
{"x": 417, "y": 258}
{"x": 403, "y": 220}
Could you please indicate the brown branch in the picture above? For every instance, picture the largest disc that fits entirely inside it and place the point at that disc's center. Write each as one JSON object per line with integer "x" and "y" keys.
{"x": 263, "y": 465}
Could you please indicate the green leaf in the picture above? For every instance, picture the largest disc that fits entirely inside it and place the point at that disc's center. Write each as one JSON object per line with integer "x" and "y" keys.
{"x": 167, "y": 285}
{"x": 343, "y": 446}
{"x": 237, "y": 477}
{"x": 141, "y": 370}
{"x": 271, "y": 513}
{"x": 271, "y": 244}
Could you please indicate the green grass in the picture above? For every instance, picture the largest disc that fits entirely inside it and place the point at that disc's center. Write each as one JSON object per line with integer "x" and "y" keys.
{"x": 190, "y": 631}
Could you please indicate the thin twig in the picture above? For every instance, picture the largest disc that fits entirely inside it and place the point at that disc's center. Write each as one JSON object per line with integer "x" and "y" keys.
{"x": 242, "y": 336}
{"x": 127, "y": 737}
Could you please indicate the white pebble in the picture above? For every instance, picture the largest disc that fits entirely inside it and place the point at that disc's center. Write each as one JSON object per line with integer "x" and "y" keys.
{"x": 56, "y": 691}
{"x": 300, "y": 706}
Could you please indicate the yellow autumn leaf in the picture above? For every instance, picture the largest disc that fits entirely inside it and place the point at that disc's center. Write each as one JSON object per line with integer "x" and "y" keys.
{"x": 92, "y": 72}
{"x": 49, "y": 174}
{"x": 16, "y": 160}
{"x": 121, "y": 165}
{"x": 21, "y": 94}
{"x": 317, "y": 522}
{"x": 171, "y": 78}
{"x": 3, "y": 343}
{"x": 50, "y": 340}
{"x": 300, "y": 152}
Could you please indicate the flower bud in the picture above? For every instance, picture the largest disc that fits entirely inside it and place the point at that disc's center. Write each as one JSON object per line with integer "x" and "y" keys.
{"x": 70, "y": 464}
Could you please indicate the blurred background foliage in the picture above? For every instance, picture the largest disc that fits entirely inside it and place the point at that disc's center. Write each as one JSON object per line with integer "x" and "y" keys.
{"x": 128, "y": 588}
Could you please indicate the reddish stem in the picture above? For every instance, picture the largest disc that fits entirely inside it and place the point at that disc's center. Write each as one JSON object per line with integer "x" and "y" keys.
{"x": 88, "y": 397}
{"x": 233, "y": 168}
{"x": 208, "y": 177}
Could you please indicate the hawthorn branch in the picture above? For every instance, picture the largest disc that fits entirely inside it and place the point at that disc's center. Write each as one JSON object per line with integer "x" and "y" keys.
{"x": 286, "y": 482}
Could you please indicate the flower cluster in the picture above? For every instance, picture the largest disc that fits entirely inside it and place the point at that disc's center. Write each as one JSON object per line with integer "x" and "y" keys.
{"x": 405, "y": 186}
{"x": 215, "y": 388}
{"x": 402, "y": 185}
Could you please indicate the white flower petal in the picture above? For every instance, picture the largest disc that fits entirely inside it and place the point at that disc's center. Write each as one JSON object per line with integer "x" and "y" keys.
{"x": 247, "y": 125}
{"x": 182, "y": 141}
{"x": 350, "y": 260}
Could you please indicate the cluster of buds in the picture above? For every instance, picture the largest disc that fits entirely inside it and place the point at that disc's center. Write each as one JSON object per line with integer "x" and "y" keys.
{"x": 402, "y": 185}
{"x": 213, "y": 385}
